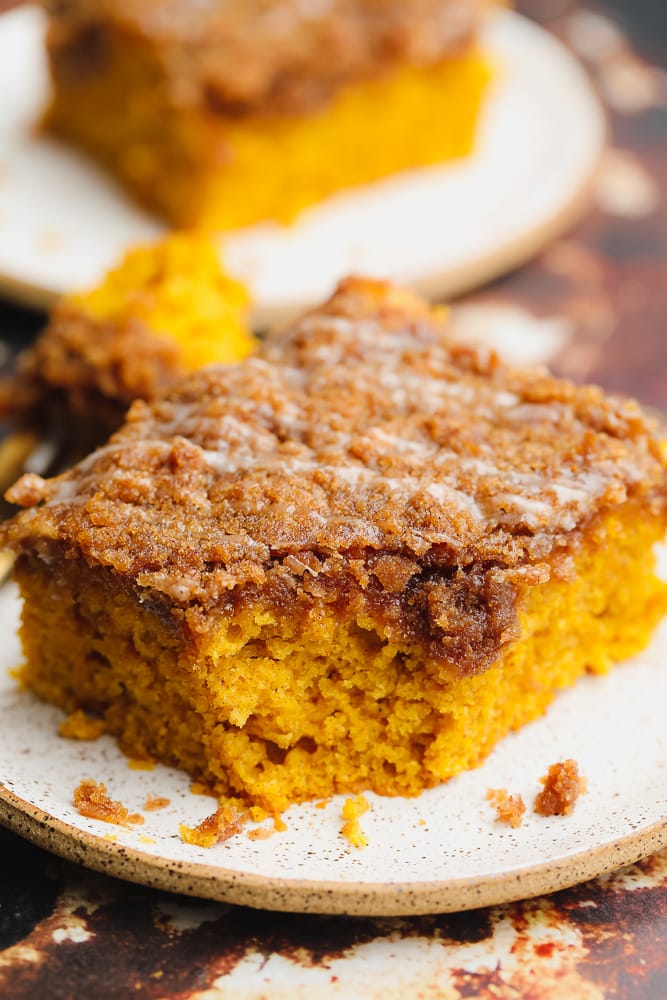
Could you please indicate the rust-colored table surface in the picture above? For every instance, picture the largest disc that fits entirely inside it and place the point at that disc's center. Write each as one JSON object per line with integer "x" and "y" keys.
{"x": 595, "y": 305}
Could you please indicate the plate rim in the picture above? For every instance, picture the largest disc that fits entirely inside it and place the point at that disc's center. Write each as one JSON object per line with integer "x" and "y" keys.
{"x": 455, "y": 283}
{"x": 326, "y": 897}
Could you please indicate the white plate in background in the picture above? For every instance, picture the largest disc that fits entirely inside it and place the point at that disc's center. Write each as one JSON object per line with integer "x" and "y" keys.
{"x": 63, "y": 222}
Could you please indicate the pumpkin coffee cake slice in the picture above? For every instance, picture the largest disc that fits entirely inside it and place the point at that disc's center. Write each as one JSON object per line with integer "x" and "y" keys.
{"x": 353, "y": 562}
{"x": 230, "y": 112}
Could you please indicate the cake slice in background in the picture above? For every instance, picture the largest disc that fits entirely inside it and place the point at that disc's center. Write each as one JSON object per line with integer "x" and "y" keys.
{"x": 236, "y": 111}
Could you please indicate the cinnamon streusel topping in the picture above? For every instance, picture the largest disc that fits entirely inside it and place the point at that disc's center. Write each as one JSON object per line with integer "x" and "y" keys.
{"x": 363, "y": 460}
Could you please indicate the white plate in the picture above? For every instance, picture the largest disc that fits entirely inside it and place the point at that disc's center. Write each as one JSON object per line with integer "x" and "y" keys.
{"x": 445, "y": 229}
{"x": 439, "y": 852}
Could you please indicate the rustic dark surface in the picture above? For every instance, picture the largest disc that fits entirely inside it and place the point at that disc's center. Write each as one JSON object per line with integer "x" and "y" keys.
{"x": 65, "y": 932}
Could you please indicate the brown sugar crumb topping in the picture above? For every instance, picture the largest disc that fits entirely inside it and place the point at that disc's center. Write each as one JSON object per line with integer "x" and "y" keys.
{"x": 80, "y": 726}
{"x": 242, "y": 56}
{"x": 365, "y": 460}
{"x": 562, "y": 787}
{"x": 509, "y": 808}
{"x": 91, "y": 799}
{"x": 154, "y": 802}
{"x": 228, "y": 820}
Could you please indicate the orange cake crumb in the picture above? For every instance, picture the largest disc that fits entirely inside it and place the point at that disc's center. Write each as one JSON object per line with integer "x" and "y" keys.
{"x": 352, "y": 831}
{"x": 80, "y": 726}
{"x": 353, "y": 808}
{"x": 562, "y": 787}
{"x": 225, "y": 822}
{"x": 154, "y": 802}
{"x": 141, "y": 764}
{"x": 91, "y": 799}
{"x": 509, "y": 808}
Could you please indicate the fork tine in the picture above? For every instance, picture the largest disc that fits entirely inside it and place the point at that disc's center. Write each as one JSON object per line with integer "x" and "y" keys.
{"x": 16, "y": 449}
{"x": 6, "y": 564}
{"x": 21, "y": 451}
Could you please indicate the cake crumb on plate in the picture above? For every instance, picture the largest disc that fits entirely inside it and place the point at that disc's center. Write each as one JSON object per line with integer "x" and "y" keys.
{"x": 91, "y": 800}
{"x": 353, "y": 808}
{"x": 225, "y": 822}
{"x": 154, "y": 802}
{"x": 509, "y": 808}
{"x": 562, "y": 787}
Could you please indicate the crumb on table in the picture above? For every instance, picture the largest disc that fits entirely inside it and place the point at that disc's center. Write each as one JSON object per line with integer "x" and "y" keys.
{"x": 562, "y": 787}
{"x": 91, "y": 799}
{"x": 509, "y": 808}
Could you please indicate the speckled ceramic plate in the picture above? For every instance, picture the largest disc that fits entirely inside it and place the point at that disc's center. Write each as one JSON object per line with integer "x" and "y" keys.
{"x": 439, "y": 852}
{"x": 63, "y": 223}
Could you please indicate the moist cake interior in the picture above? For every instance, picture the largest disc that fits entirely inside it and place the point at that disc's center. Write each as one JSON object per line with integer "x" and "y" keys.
{"x": 277, "y": 710}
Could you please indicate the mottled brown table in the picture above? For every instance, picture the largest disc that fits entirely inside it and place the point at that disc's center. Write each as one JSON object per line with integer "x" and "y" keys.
{"x": 595, "y": 306}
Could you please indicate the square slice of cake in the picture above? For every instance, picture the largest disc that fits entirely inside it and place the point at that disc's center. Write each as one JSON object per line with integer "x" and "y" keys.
{"x": 354, "y": 562}
{"x": 166, "y": 309}
{"x": 229, "y": 112}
